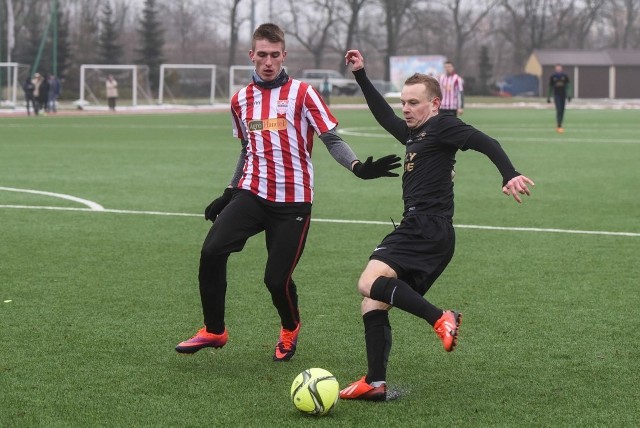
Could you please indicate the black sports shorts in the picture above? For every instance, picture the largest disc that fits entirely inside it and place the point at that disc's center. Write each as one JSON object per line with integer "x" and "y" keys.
{"x": 419, "y": 249}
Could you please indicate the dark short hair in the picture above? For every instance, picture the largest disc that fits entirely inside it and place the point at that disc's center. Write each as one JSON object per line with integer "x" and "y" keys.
{"x": 431, "y": 83}
{"x": 269, "y": 32}
{"x": 448, "y": 62}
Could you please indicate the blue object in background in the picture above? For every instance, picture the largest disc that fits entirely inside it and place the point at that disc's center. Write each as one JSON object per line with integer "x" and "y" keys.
{"x": 523, "y": 85}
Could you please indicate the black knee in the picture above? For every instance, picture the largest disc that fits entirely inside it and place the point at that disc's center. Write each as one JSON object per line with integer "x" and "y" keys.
{"x": 382, "y": 289}
{"x": 276, "y": 284}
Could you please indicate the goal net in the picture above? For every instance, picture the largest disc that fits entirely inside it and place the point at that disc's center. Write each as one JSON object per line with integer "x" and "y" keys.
{"x": 133, "y": 85}
{"x": 12, "y": 77}
{"x": 187, "y": 84}
{"x": 239, "y": 77}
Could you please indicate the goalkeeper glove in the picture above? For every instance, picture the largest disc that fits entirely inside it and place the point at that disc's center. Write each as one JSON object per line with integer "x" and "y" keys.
{"x": 376, "y": 169}
{"x": 216, "y": 207}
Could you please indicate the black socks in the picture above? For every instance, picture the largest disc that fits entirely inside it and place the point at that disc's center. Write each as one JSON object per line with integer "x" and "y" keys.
{"x": 399, "y": 294}
{"x": 377, "y": 336}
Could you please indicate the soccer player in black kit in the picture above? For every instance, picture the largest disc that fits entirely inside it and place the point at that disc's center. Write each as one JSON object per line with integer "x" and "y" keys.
{"x": 406, "y": 263}
{"x": 560, "y": 87}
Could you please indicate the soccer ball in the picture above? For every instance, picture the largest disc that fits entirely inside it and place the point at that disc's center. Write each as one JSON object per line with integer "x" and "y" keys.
{"x": 315, "y": 392}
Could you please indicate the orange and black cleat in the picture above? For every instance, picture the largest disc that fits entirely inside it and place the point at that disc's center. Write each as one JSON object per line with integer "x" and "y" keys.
{"x": 447, "y": 329}
{"x": 202, "y": 339}
{"x": 286, "y": 346}
{"x": 361, "y": 390}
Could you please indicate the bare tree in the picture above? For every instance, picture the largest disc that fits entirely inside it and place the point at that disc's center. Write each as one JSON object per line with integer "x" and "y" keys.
{"x": 395, "y": 14}
{"x": 534, "y": 24}
{"x": 234, "y": 27}
{"x": 466, "y": 21}
{"x": 352, "y": 26}
{"x": 312, "y": 24}
{"x": 583, "y": 22}
{"x": 182, "y": 23}
{"x": 622, "y": 17}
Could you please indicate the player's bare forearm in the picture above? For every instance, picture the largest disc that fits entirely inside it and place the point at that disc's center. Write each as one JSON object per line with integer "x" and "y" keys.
{"x": 517, "y": 186}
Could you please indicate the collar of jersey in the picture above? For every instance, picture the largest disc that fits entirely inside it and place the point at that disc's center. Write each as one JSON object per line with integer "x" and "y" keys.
{"x": 280, "y": 80}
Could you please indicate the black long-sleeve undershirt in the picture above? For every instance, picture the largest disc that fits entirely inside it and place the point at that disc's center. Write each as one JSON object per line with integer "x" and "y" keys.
{"x": 397, "y": 127}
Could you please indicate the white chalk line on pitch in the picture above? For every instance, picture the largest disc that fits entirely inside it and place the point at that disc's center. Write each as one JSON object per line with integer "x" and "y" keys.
{"x": 339, "y": 221}
{"x": 92, "y": 205}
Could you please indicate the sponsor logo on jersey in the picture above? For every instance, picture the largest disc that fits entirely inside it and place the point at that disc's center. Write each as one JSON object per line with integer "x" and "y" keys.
{"x": 409, "y": 162}
{"x": 282, "y": 106}
{"x": 278, "y": 124}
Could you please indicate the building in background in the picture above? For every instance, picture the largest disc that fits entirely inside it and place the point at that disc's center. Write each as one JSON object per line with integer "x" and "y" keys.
{"x": 594, "y": 74}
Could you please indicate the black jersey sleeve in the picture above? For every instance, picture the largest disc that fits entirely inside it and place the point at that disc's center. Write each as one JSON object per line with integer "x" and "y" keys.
{"x": 482, "y": 143}
{"x": 381, "y": 109}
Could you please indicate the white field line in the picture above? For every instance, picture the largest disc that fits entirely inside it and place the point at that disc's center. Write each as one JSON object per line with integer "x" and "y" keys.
{"x": 338, "y": 221}
{"x": 92, "y": 205}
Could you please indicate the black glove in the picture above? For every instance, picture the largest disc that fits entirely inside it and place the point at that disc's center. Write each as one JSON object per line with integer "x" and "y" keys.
{"x": 380, "y": 168}
{"x": 216, "y": 207}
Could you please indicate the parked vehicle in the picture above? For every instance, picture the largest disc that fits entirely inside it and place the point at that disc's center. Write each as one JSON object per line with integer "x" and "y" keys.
{"x": 338, "y": 83}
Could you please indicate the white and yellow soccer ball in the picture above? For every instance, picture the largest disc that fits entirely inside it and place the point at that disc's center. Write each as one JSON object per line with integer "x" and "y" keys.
{"x": 315, "y": 392}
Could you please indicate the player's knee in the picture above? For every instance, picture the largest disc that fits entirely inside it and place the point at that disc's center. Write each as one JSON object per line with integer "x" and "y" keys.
{"x": 369, "y": 305}
{"x": 209, "y": 253}
{"x": 214, "y": 247}
{"x": 274, "y": 283}
{"x": 364, "y": 285}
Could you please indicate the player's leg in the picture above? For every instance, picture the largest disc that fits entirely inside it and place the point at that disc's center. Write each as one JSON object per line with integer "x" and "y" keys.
{"x": 560, "y": 104}
{"x": 378, "y": 340}
{"x": 285, "y": 234}
{"x": 421, "y": 247}
{"x": 239, "y": 220}
{"x": 376, "y": 285}
{"x": 447, "y": 326}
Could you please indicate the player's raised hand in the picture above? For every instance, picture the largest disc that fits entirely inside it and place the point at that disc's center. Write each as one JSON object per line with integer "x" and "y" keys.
{"x": 355, "y": 58}
{"x": 518, "y": 186}
{"x": 375, "y": 169}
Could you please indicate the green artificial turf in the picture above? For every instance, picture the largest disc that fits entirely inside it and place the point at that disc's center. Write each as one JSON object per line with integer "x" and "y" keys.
{"x": 93, "y": 303}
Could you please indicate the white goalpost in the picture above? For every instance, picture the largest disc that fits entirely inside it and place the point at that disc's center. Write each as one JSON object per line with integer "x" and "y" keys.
{"x": 239, "y": 77}
{"x": 187, "y": 83}
{"x": 15, "y": 75}
{"x": 131, "y": 79}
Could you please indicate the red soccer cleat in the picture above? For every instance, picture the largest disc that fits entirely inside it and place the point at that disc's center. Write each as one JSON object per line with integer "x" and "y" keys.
{"x": 361, "y": 390}
{"x": 447, "y": 329}
{"x": 202, "y": 339}
{"x": 286, "y": 345}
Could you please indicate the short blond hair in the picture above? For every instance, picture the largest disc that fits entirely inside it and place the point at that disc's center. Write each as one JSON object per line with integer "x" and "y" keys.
{"x": 431, "y": 83}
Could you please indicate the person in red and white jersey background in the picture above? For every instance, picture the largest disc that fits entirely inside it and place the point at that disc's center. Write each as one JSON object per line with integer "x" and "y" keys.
{"x": 275, "y": 117}
{"x": 452, "y": 87}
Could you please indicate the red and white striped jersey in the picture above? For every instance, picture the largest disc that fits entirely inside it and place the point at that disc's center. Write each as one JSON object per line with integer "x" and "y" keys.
{"x": 451, "y": 86}
{"x": 279, "y": 124}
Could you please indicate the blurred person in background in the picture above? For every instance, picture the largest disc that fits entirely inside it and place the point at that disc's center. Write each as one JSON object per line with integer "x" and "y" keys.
{"x": 560, "y": 88}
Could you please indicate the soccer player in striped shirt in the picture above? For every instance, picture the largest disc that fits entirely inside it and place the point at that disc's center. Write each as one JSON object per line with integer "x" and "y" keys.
{"x": 452, "y": 91}
{"x": 275, "y": 118}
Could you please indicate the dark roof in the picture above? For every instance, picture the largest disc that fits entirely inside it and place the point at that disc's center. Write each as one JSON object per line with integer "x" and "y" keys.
{"x": 581, "y": 57}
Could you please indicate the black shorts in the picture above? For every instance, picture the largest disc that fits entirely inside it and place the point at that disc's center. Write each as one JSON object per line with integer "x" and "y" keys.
{"x": 419, "y": 250}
